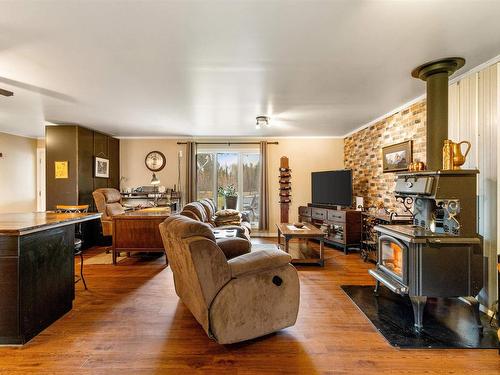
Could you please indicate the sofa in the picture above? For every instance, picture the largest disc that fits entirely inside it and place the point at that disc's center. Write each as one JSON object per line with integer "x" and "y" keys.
{"x": 204, "y": 210}
{"x": 235, "y": 299}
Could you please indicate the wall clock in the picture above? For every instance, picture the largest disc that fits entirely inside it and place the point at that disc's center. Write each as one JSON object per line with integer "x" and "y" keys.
{"x": 155, "y": 161}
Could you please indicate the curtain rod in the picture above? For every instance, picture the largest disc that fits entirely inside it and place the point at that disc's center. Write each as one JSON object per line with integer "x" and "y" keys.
{"x": 227, "y": 143}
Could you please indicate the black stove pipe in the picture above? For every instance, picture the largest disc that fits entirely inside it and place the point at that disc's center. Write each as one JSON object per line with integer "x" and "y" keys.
{"x": 436, "y": 74}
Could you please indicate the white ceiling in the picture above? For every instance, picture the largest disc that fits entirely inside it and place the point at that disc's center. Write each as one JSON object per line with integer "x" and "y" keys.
{"x": 207, "y": 68}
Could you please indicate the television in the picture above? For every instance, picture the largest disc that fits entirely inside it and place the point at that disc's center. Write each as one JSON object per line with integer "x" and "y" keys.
{"x": 332, "y": 187}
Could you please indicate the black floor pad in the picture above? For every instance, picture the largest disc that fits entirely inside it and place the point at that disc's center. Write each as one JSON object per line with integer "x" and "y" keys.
{"x": 448, "y": 323}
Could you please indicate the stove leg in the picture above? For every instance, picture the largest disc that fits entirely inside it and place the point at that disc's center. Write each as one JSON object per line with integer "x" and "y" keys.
{"x": 474, "y": 304}
{"x": 418, "y": 304}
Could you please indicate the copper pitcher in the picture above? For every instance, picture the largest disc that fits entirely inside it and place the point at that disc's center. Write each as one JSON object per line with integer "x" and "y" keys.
{"x": 458, "y": 157}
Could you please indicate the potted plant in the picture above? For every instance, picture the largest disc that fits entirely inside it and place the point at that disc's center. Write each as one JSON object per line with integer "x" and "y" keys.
{"x": 230, "y": 196}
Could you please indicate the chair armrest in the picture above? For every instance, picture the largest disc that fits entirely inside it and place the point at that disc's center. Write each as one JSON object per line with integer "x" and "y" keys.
{"x": 257, "y": 261}
{"x": 234, "y": 246}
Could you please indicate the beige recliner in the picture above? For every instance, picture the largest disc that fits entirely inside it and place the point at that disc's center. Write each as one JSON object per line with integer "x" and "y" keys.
{"x": 234, "y": 300}
{"x": 108, "y": 201}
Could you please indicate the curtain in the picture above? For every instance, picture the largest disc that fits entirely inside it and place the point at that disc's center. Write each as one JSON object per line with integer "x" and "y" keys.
{"x": 191, "y": 171}
{"x": 264, "y": 189}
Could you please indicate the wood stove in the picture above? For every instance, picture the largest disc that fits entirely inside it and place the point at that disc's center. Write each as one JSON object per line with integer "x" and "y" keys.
{"x": 441, "y": 254}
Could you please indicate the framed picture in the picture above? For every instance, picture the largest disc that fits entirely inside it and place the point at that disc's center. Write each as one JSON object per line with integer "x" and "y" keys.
{"x": 101, "y": 167}
{"x": 397, "y": 157}
{"x": 61, "y": 169}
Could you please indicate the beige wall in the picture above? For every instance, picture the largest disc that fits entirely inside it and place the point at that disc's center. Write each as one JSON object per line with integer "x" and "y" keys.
{"x": 305, "y": 155}
{"x": 17, "y": 173}
{"x": 133, "y": 169}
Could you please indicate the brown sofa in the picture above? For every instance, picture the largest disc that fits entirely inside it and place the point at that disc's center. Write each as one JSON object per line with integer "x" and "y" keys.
{"x": 108, "y": 202}
{"x": 204, "y": 210}
{"x": 234, "y": 300}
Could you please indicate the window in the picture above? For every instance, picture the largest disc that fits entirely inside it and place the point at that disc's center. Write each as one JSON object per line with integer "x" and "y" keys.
{"x": 238, "y": 168}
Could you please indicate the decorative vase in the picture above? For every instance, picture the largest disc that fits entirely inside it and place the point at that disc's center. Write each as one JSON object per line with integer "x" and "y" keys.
{"x": 458, "y": 157}
{"x": 448, "y": 154}
{"x": 231, "y": 202}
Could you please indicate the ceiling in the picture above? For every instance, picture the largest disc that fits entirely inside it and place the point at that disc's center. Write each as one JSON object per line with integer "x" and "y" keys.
{"x": 207, "y": 68}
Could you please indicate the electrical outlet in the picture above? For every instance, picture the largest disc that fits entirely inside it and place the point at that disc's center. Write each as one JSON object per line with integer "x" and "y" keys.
{"x": 180, "y": 153}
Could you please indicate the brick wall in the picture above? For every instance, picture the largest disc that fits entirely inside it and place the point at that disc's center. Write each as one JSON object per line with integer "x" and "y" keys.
{"x": 363, "y": 153}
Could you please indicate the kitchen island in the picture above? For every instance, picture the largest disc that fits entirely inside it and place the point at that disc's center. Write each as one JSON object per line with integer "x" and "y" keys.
{"x": 36, "y": 271}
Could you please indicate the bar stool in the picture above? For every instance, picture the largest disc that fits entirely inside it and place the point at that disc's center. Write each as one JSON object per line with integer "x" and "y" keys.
{"x": 78, "y": 241}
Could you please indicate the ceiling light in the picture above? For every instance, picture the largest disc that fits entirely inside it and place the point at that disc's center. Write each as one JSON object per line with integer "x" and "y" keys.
{"x": 262, "y": 121}
{"x": 6, "y": 92}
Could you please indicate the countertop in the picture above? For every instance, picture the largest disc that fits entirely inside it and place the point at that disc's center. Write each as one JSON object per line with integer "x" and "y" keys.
{"x": 24, "y": 223}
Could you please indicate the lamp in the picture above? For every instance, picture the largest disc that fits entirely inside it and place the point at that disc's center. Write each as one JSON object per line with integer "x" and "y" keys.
{"x": 262, "y": 121}
{"x": 155, "y": 180}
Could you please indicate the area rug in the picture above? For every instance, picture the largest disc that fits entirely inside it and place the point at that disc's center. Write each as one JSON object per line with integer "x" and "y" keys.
{"x": 448, "y": 323}
{"x": 102, "y": 258}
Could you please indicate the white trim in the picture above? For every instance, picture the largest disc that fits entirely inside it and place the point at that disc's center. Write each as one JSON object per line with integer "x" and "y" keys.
{"x": 388, "y": 114}
{"x": 476, "y": 69}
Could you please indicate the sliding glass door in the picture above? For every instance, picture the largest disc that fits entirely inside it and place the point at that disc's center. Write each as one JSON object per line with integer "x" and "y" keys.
{"x": 238, "y": 168}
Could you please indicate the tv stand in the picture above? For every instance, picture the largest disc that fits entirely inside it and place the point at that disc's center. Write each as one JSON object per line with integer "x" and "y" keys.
{"x": 342, "y": 227}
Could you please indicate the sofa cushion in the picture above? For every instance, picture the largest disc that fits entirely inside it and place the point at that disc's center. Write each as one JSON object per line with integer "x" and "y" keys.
{"x": 111, "y": 195}
{"x": 113, "y": 209}
{"x": 227, "y": 212}
{"x": 198, "y": 210}
{"x": 209, "y": 208}
{"x": 184, "y": 227}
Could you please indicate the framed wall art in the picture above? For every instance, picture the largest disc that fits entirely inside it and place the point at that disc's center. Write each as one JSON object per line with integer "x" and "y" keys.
{"x": 101, "y": 167}
{"x": 397, "y": 157}
{"x": 61, "y": 169}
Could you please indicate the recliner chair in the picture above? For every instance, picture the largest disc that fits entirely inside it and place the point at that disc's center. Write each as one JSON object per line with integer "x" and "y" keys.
{"x": 108, "y": 201}
{"x": 234, "y": 300}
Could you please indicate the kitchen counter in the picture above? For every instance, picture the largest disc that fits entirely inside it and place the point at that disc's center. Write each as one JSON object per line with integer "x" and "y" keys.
{"x": 37, "y": 264}
{"x": 24, "y": 223}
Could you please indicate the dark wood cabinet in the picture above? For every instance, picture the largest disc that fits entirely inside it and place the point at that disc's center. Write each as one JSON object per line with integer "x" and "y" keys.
{"x": 342, "y": 227}
{"x": 36, "y": 282}
{"x": 79, "y": 146}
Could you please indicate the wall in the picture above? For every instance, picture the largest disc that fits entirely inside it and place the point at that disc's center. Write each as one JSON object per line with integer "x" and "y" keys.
{"x": 474, "y": 103}
{"x": 78, "y": 146}
{"x": 363, "y": 153}
{"x": 306, "y": 155}
{"x": 133, "y": 152}
{"x": 17, "y": 174}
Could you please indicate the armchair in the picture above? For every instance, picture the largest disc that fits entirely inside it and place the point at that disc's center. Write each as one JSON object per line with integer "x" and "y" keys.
{"x": 234, "y": 300}
{"x": 108, "y": 202}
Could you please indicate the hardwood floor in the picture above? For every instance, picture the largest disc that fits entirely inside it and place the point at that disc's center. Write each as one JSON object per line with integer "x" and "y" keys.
{"x": 130, "y": 321}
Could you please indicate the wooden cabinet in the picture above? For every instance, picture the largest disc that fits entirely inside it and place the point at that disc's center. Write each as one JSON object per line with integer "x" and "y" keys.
{"x": 78, "y": 146}
{"x": 342, "y": 227}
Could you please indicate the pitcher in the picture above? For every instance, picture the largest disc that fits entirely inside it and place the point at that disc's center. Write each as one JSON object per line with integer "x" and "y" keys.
{"x": 458, "y": 157}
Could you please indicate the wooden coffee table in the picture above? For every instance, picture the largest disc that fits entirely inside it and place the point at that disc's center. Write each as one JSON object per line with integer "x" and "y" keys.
{"x": 302, "y": 255}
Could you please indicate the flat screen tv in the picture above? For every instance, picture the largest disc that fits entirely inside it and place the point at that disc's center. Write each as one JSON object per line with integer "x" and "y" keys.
{"x": 332, "y": 187}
